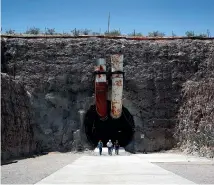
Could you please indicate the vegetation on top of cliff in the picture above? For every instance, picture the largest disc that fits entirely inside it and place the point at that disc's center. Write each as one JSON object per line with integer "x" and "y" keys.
{"x": 192, "y": 34}
{"x": 50, "y": 31}
{"x": 156, "y": 34}
{"x": 76, "y": 32}
{"x": 33, "y": 31}
{"x": 115, "y": 32}
{"x": 10, "y": 32}
{"x": 137, "y": 34}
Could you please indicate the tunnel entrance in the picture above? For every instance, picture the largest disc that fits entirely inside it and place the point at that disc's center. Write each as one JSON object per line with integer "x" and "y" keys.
{"x": 121, "y": 129}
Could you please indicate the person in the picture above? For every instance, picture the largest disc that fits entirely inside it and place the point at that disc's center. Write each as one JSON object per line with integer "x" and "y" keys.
{"x": 116, "y": 146}
{"x": 100, "y": 146}
{"x": 109, "y": 145}
{"x": 112, "y": 148}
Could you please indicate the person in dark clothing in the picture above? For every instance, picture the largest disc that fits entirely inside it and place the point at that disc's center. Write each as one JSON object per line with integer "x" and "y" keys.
{"x": 116, "y": 146}
{"x": 100, "y": 146}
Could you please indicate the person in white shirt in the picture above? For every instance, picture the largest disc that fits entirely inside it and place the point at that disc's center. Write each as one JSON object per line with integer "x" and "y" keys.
{"x": 109, "y": 145}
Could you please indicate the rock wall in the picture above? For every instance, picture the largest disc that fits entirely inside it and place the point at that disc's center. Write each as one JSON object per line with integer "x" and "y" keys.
{"x": 195, "y": 130}
{"x": 58, "y": 75}
{"x": 17, "y": 138}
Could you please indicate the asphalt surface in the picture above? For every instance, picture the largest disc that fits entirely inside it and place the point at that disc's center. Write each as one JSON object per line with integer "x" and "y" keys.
{"x": 32, "y": 170}
{"x": 199, "y": 173}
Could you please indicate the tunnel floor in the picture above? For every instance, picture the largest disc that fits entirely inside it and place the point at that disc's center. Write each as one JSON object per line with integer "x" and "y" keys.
{"x": 121, "y": 129}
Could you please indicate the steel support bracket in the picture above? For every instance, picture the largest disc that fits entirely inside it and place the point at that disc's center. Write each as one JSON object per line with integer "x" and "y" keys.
{"x": 99, "y": 72}
{"x": 117, "y": 72}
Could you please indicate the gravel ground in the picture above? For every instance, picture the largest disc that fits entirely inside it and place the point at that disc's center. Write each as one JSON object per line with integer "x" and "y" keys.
{"x": 200, "y": 173}
{"x": 32, "y": 170}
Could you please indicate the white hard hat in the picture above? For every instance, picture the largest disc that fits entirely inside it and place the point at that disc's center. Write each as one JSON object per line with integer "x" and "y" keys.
{"x": 109, "y": 140}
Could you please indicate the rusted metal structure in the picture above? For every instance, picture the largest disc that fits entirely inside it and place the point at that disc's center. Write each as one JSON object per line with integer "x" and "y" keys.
{"x": 117, "y": 85}
{"x": 101, "y": 88}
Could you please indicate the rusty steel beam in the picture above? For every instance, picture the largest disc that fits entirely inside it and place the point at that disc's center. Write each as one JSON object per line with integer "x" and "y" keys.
{"x": 117, "y": 85}
{"x": 101, "y": 88}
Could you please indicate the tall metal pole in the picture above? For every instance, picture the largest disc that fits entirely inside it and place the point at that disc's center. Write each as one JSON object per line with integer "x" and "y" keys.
{"x": 208, "y": 33}
{"x": 108, "y": 22}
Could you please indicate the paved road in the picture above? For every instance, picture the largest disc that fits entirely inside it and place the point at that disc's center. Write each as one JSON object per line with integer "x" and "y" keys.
{"x": 123, "y": 169}
{"x": 113, "y": 170}
{"x": 32, "y": 170}
{"x": 159, "y": 168}
{"x": 198, "y": 170}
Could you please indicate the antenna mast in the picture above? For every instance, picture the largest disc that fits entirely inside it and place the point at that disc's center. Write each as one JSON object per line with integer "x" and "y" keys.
{"x": 108, "y": 21}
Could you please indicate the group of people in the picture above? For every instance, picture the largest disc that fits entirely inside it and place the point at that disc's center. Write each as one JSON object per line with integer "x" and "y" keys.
{"x": 110, "y": 146}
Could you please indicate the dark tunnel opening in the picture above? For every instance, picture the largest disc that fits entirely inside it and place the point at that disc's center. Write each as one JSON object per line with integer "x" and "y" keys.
{"x": 121, "y": 129}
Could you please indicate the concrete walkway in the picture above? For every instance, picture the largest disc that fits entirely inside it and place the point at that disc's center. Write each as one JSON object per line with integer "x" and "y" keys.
{"x": 105, "y": 151}
{"x": 172, "y": 158}
{"x": 133, "y": 169}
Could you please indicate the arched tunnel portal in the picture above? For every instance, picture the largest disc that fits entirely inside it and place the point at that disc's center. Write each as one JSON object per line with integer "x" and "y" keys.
{"x": 121, "y": 129}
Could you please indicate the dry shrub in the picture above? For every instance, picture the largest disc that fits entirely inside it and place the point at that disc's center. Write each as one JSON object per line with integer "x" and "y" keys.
{"x": 195, "y": 131}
